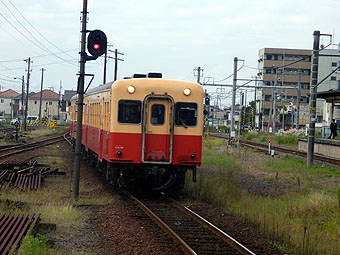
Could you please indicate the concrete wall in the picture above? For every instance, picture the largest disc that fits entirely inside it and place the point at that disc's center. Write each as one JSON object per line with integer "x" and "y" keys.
{"x": 328, "y": 147}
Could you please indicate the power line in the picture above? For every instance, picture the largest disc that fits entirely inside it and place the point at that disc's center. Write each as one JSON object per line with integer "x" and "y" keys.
{"x": 8, "y": 80}
{"x": 35, "y": 28}
{"x": 17, "y": 68}
{"x": 37, "y": 56}
{"x": 43, "y": 47}
{"x": 232, "y": 74}
{"x": 15, "y": 38}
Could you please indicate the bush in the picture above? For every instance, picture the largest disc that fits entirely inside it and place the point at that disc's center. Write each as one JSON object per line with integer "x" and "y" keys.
{"x": 31, "y": 245}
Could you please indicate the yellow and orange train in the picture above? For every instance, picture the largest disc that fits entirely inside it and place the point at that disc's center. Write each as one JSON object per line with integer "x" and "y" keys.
{"x": 142, "y": 131}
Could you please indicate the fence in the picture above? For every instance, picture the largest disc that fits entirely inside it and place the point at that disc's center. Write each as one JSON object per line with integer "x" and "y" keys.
{"x": 324, "y": 132}
{"x": 43, "y": 123}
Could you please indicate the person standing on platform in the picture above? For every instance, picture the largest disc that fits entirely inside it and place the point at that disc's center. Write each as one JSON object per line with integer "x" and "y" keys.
{"x": 333, "y": 128}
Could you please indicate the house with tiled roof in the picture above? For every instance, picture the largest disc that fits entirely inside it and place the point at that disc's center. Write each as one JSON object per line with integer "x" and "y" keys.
{"x": 6, "y": 103}
{"x": 49, "y": 104}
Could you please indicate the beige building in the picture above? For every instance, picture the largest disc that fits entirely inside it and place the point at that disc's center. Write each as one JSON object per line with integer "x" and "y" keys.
{"x": 282, "y": 67}
{"x": 49, "y": 104}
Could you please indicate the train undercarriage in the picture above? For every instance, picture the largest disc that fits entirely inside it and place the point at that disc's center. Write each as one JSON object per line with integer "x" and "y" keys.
{"x": 140, "y": 178}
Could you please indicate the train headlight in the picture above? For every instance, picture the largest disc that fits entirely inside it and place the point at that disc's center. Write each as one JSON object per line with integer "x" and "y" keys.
{"x": 187, "y": 91}
{"x": 131, "y": 89}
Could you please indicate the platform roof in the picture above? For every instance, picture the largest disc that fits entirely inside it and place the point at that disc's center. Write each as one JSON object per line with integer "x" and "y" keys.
{"x": 331, "y": 96}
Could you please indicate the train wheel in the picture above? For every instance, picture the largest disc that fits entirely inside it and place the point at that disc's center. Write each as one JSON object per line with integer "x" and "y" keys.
{"x": 83, "y": 153}
{"x": 88, "y": 157}
{"x": 106, "y": 171}
{"x": 114, "y": 173}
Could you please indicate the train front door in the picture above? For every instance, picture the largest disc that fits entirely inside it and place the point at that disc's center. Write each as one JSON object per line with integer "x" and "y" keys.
{"x": 157, "y": 130}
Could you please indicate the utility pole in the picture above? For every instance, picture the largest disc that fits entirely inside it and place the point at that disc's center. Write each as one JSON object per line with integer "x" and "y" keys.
{"x": 283, "y": 111}
{"x": 80, "y": 104}
{"x": 298, "y": 100}
{"x": 41, "y": 90}
{"x": 22, "y": 95}
{"x": 312, "y": 100}
{"x": 116, "y": 52}
{"x": 59, "y": 101}
{"x": 232, "y": 129}
{"x": 254, "y": 112}
{"x": 271, "y": 112}
{"x": 240, "y": 120}
{"x": 245, "y": 109}
{"x": 199, "y": 75}
{"x": 274, "y": 101}
{"x": 27, "y": 90}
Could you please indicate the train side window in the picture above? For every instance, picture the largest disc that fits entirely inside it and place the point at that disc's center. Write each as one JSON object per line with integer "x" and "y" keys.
{"x": 129, "y": 111}
{"x": 186, "y": 114}
{"x": 157, "y": 114}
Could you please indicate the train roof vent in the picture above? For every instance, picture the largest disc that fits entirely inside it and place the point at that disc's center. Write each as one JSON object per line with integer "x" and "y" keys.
{"x": 126, "y": 78}
{"x": 138, "y": 75}
{"x": 154, "y": 75}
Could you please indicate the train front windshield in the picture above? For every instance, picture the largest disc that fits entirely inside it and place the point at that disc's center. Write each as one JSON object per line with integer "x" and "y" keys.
{"x": 186, "y": 114}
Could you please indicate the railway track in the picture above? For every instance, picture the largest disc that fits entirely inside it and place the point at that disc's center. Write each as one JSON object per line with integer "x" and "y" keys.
{"x": 19, "y": 148}
{"x": 264, "y": 148}
{"x": 194, "y": 234}
{"x": 13, "y": 228}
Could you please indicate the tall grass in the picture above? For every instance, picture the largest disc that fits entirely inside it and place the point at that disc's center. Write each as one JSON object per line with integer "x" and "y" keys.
{"x": 304, "y": 221}
{"x": 287, "y": 140}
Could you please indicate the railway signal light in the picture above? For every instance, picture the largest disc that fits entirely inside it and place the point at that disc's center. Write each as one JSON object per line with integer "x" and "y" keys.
{"x": 207, "y": 101}
{"x": 96, "y": 44}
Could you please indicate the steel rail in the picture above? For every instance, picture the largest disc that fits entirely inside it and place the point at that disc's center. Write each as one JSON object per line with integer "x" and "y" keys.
{"x": 37, "y": 144}
{"x": 8, "y": 148}
{"x": 231, "y": 241}
{"x": 184, "y": 246}
{"x": 264, "y": 148}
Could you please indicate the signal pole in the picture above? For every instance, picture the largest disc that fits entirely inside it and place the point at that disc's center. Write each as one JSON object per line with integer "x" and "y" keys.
{"x": 80, "y": 104}
{"x": 105, "y": 60}
{"x": 27, "y": 90}
{"x": 41, "y": 89}
{"x": 312, "y": 100}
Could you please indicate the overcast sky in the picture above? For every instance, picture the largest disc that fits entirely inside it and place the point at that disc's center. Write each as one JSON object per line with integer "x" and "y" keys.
{"x": 168, "y": 36}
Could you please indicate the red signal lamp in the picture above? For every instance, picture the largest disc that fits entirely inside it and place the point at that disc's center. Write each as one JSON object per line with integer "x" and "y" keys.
{"x": 96, "y": 46}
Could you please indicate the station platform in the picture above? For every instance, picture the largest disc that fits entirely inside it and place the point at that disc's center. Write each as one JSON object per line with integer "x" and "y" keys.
{"x": 327, "y": 147}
